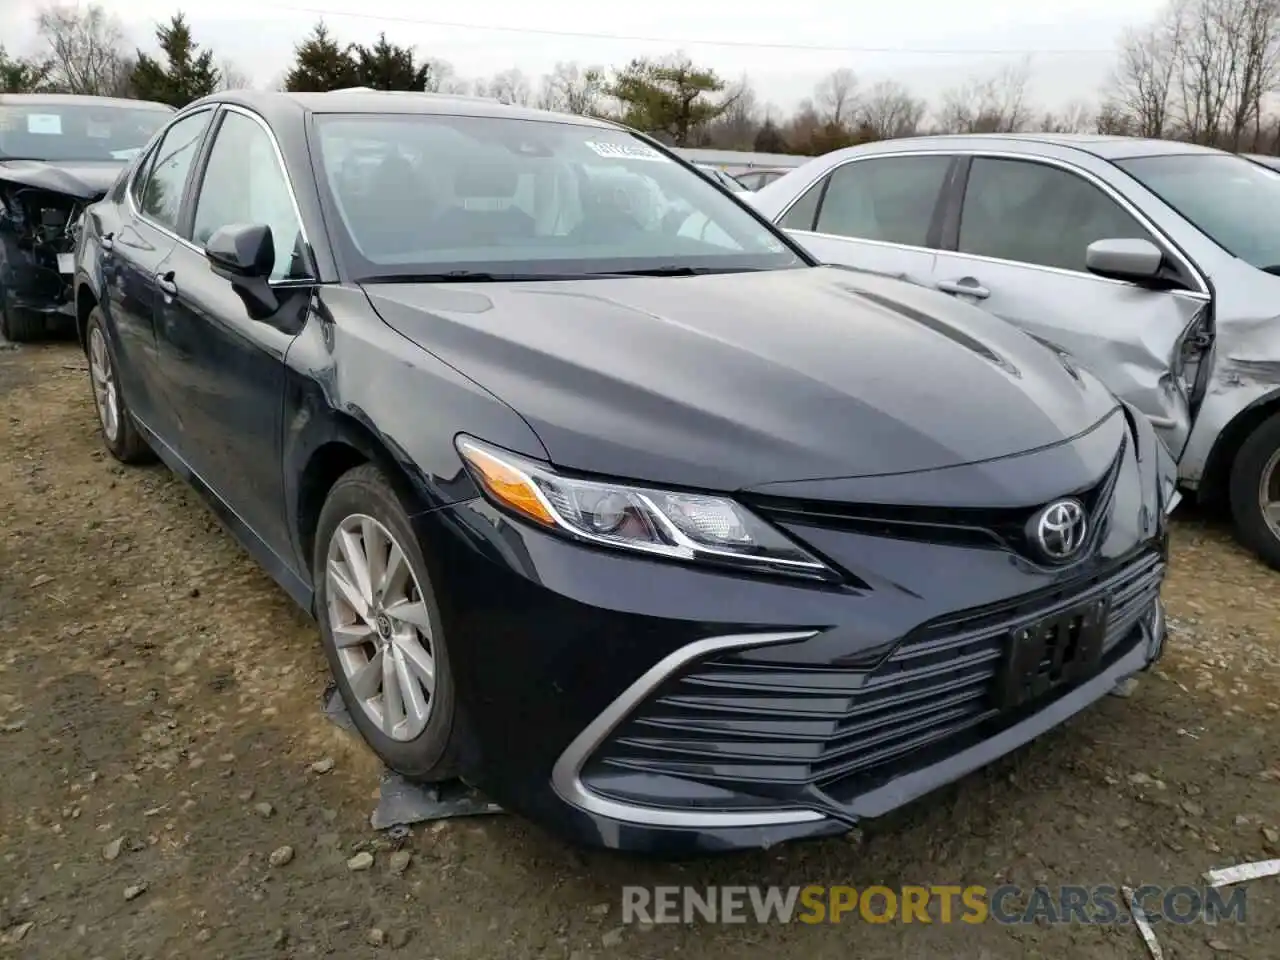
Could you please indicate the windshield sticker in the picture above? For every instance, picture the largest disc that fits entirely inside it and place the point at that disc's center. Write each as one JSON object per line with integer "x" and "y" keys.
{"x": 625, "y": 151}
{"x": 45, "y": 124}
{"x": 97, "y": 131}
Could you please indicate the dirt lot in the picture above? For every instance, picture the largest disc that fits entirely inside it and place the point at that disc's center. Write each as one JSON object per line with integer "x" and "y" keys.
{"x": 159, "y": 723}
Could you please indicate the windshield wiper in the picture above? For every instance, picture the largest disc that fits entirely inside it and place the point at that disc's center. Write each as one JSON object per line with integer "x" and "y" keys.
{"x": 676, "y": 271}
{"x": 468, "y": 276}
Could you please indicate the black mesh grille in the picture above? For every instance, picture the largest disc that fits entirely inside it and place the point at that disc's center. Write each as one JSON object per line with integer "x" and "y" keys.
{"x": 730, "y": 719}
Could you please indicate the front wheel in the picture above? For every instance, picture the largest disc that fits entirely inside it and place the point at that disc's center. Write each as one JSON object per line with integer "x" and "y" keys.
{"x": 381, "y": 627}
{"x": 1255, "y": 491}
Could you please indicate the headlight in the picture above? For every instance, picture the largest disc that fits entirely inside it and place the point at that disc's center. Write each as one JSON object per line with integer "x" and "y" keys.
{"x": 667, "y": 523}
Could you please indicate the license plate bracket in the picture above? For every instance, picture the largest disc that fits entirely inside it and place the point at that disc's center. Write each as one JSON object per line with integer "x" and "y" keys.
{"x": 1057, "y": 651}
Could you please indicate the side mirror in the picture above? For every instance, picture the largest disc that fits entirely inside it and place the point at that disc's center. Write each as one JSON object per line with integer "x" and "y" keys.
{"x": 1130, "y": 259}
{"x": 245, "y": 254}
{"x": 242, "y": 250}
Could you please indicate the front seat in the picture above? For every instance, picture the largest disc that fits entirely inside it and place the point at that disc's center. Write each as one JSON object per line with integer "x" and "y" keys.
{"x": 484, "y": 212}
{"x": 393, "y": 214}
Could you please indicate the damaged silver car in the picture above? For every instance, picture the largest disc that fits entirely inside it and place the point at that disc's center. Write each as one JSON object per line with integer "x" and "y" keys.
{"x": 58, "y": 154}
{"x": 1154, "y": 263}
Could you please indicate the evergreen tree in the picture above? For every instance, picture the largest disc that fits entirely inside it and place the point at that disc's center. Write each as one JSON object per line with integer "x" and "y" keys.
{"x": 188, "y": 76}
{"x": 21, "y": 76}
{"x": 385, "y": 66}
{"x": 671, "y": 97}
{"x": 319, "y": 64}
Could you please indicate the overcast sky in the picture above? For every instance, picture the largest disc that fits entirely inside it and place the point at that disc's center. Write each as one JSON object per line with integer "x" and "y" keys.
{"x": 927, "y": 44}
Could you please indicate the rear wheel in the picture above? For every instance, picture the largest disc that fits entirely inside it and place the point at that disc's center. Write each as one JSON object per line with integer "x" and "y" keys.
{"x": 119, "y": 432}
{"x": 1255, "y": 491}
{"x": 381, "y": 627}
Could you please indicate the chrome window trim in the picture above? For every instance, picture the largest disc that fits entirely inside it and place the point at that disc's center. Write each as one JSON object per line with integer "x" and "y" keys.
{"x": 566, "y": 776}
{"x": 284, "y": 170}
{"x": 1127, "y": 205}
{"x": 877, "y": 243}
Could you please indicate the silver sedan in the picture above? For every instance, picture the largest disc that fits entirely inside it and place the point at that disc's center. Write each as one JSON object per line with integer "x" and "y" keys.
{"x": 1154, "y": 263}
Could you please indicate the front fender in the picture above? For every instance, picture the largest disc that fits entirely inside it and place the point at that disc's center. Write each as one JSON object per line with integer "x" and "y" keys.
{"x": 353, "y": 381}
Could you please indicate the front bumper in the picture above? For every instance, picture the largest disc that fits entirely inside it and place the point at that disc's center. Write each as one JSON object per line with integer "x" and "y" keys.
{"x": 670, "y": 709}
{"x": 566, "y": 659}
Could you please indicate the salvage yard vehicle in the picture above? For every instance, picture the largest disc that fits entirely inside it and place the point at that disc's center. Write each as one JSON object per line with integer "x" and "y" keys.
{"x": 1156, "y": 264}
{"x": 722, "y": 177}
{"x": 57, "y": 154}
{"x": 672, "y": 541}
{"x": 758, "y": 179}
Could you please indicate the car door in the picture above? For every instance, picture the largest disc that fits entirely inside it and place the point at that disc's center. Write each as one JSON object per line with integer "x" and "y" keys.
{"x": 874, "y": 213}
{"x": 134, "y": 238}
{"x": 1018, "y": 249}
{"x": 223, "y": 363}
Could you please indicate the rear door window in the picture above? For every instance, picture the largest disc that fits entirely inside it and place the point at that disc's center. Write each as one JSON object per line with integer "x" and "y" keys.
{"x": 160, "y": 200}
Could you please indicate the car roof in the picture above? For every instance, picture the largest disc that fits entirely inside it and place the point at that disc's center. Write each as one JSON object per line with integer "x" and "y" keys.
{"x": 71, "y": 100}
{"x": 359, "y": 100}
{"x": 1104, "y": 146}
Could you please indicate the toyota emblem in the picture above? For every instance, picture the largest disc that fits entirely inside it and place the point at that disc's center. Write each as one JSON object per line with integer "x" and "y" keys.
{"x": 1060, "y": 529}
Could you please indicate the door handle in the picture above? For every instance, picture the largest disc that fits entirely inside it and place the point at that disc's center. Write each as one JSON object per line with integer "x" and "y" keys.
{"x": 107, "y": 242}
{"x": 165, "y": 282}
{"x": 966, "y": 286}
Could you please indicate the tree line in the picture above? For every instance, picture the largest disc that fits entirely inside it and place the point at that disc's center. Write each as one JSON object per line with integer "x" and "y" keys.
{"x": 1201, "y": 70}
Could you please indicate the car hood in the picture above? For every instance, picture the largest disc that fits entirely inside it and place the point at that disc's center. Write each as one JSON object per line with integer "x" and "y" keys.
{"x": 727, "y": 381}
{"x": 82, "y": 179}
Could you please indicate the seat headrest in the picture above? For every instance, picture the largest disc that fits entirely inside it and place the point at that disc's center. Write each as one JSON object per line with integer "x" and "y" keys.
{"x": 489, "y": 178}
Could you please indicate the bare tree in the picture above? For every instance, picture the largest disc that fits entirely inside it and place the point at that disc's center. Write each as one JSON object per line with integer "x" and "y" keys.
{"x": 509, "y": 86}
{"x": 1254, "y": 25}
{"x": 1206, "y": 67}
{"x": 737, "y": 127}
{"x": 443, "y": 78}
{"x": 994, "y": 104}
{"x": 1142, "y": 92}
{"x": 836, "y": 96}
{"x": 233, "y": 78}
{"x": 86, "y": 49}
{"x": 1201, "y": 70}
{"x": 804, "y": 124}
{"x": 1076, "y": 117}
{"x": 889, "y": 110}
{"x": 571, "y": 89}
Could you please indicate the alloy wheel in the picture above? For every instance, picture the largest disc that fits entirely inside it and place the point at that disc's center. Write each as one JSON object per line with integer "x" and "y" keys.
{"x": 104, "y": 384}
{"x": 380, "y": 627}
{"x": 1269, "y": 494}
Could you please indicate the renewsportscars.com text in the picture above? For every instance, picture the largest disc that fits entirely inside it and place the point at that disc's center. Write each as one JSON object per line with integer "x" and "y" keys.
{"x": 938, "y": 903}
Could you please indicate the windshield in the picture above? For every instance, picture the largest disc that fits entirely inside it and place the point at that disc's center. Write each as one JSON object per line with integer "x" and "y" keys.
{"x": 1232, "y": 201}
{"x": 55, "y": 131}
{"x": 432, "y": 194}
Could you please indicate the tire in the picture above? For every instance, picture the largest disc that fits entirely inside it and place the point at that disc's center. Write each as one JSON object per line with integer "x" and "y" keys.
{"x": 1258, "y": 462}
{"x": 119, "y": 433}
{"x": 19, "y": 326}
{"x": 360, "y": 506}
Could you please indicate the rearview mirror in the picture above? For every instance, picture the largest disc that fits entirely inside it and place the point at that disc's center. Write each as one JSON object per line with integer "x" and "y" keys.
{"x": 242, "y": 250}
{"x": 1128, "y": 259}
{"x": 245, "y": 254}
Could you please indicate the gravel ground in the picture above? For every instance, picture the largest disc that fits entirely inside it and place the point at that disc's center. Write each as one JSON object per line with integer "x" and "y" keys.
{"x": 170, "y": 788}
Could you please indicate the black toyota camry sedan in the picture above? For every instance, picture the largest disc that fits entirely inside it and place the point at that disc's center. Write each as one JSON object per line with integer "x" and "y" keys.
{"x": 605, "y": 497}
